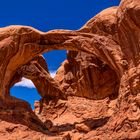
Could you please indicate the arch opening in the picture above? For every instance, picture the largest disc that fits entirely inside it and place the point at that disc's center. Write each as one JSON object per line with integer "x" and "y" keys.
{"x": 54, "y": 60}
{"x": 25, "y": 90}
{"x": 32, "y": 85}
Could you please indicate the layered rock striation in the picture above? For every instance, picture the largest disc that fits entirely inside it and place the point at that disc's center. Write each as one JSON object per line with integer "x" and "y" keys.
{"x": 108, "y": 75}
{"x": 84, "y": 75}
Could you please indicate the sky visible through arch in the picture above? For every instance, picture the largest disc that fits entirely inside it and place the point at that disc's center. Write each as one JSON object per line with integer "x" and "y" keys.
{"x": 47, "y": 15}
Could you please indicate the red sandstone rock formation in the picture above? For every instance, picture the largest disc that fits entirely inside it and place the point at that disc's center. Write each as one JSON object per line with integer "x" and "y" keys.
{"x": 113, "y": 39}
{"x": 85, "y": 75}
{"x": 37, "y": 71}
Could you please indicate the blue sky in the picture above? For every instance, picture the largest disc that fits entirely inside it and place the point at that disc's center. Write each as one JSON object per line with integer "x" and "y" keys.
{"x": 46, "y": 15}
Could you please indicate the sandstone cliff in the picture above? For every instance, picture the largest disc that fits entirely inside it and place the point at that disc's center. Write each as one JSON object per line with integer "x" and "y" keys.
{"x": 85, "y": 75}
{"x": 101, "y": 80}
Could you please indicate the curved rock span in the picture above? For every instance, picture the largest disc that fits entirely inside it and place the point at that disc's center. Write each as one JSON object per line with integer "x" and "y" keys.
{"x": 105, "y": 69}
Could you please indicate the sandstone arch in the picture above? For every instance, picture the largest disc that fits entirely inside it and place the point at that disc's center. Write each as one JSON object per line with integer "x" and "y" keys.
{"x": 113, "y": 36}
{"x": 26, "y": 43}
{"x": 37, "y": 71}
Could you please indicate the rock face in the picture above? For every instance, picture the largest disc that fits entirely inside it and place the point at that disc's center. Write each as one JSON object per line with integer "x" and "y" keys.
{"x": 109, "y": 74}
{"x": 37, "y": 71}
{"x": 85, "y": 75}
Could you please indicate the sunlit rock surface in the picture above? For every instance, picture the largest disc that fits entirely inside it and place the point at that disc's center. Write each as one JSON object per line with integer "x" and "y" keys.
{"x": 104, "y": 73}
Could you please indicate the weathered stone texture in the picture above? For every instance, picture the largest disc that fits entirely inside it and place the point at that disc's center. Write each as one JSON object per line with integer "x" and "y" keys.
{"x": 109, "y": 75}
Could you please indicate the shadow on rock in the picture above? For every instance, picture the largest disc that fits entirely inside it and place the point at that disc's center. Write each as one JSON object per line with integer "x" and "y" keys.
{"x": 21, "y": 113}
{"x": 84, "y": 126}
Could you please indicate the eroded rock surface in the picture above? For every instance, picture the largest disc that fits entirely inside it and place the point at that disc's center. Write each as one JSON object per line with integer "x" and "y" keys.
{"x": 85, "y": 75}
{"x": 37, "y": 71}
{"x": 112, "y": 41}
